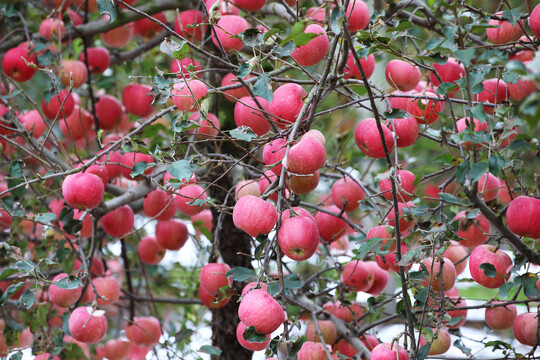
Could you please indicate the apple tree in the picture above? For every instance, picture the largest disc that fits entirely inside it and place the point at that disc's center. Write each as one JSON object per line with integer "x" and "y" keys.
{"x": 302, "y": 178}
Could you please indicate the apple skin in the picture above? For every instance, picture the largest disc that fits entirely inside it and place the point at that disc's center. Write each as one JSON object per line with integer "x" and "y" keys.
{"x": 315, "y": 134}
{"x": 524, "y": 327}
{"x": 328, "y": 331}
{"x": 213, "y": 278}
{"x": 119, "y": 36}
{"x": 45, "y": 356}
{"x": 78, "y": 125}
{"x": 15, "y": 67}
{"x": 129, "y": 160}
{"x": 345, "y": 348}
{"x": 401, "y": 75}
{"x": 63, "y": 297}
{"x": 191, "y": 17}
{"x": 448, "y": 274}
{"x": 405, "y": 188}
{"x": 491, "y": 255}
{"x": 118, "y": 222}
{"x": 523, "y": 216}
{"x": 472, "y": 231}
{"x": 303, "y": 184}
{"x": 287, "y": 103}
{"x": 346, "y": 193}
{"x": 312, "y": 351}
{"x": 441, "y": 344}
{"x": 83, "y": 190}
{"x": 159, "y": 201}
{"x": 504, "y": 32}
{"x": 234, "y": 94}
{"x": 521, "y": 89}
{"x": 534, "y": 21}
{"x": 61, "y": 105}
{"x": 245, "y": 114}
{"x": 463, "y": 125}
{"x": 250, "y": 5}
{"x": 108, "y": 111}
{"x": 210, "y": 301}
{"x": 406, "y": 130}
{"x": 226, "y": 26}
{"x": 357, "y": 276}
{"x": 247, "y": 187}
{"x": 147, "y": 28}
{"x": 87, "y": 325}
{"x": 273, "y": 154}
{"x": 150, "y": 252}
{"x": 306, "y": 157}
{"x": 137, "y": 99}
{"x": 352, "y": 71}
{"x": 109, "y": 288}
{"x": 385, "y": 233}
{"x": 144, "y": 331}
{"x": 186, "y": 94}
{"x": 254, "y": 215}
{"x": 296, "y": 211}
{"x": 427, "y": 114}
{"x": 368, "y": 139}
{"x": 380, "y": 278}
{"x": 33, "y": 123}
{"x": 116, "y": 349}
{"x": 456, "y": 253}
{"x": 298, "y": 237}
{"x": 330, "y": 227}
{"x": 252, "y": 285}
{"x": 501, "y": 317}
{"x": 489, "y": 187}
{"x": 317, "y": 14}
{"x": 405, "y": 222}
{"x": 266, "y": 179}
{"x": 494, "y": 92}
{"x": 346, "y": 313}
{"x": 225, "y": 7}
{"x": 386, "y": 351}
{"x": 181, "y": 68}
{"x": 253, "y": 346}
{"x": 73, "y": 69}
{"x": 450, "y": 71}
{"x": 358, "y": 15}
{"x": 315, "y": 50}
{"x": 262, "y": 311}
{"x": 99, "y": 59}
{"x": 188, "y": 193}
{"x": 171, "y": 234}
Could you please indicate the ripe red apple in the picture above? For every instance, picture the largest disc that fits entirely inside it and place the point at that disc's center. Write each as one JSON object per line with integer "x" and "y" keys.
{"x": 266, "y": 179}
{"x": 99, "y": 59}
{"x": 226, "y": 27}
{"x": 262, "y": 311}
{"x": 116, "y": 349}
{"x": 345, "y": 312}
{"x": 404, "y": 186}
{"x": 107, "y": 287}
{"x": 248, "y": 344}
{"x": 504, "y": 32}
{"x": 180, "y": 67}
{"x": 401, "y": 75}
{"x": 171, "y": 234}
{"x": 187, "y": 197}
{"x": 234, "y": 94}
{"x": 317, "y": 14}
{"x": 212, "y": 302}
{"x": 137, "y": 99}
{"x": 458, "y": 255}
{"x": 45, "y": 356}
{"x": 14, "y": 64}
{"x": 186, "y": 94}
{"x": 368, "y": 139}
{"x": 33, "y": 123}
{"x": 109, "y": 111}
{"x": 298, "y": 237}
{"x": 405, "y": 221}
{"x": 472, "y": 231}
{"x": 118, "y": 222}
{"x": 525, "y": 326}
{"x": 246, "y": 113}
{"x": 287, "y": 103}
{"x": 358, "y": 15}
{"x": 225, "y": 7}
{"x": 78, "y": 125}
{"x": 523, "y": 216}
{"x": 87, "y": 324}
{"x": 250, "y": 5}
{"x": 450, "y": 71}
{"x": 346, "y": 193}
{"x": 150, "y": 252}
{"x": 440, "y": 344}
{"x": 117, "y": 37}
{"x": 328, "y": 331}
{"x": 330, "y": 226}
{"x": 296, "y": 211}
{"x": 434, "y": 270}
{"x": 315, "y": 50}
{"x": 312, "y": 351}
{"x": 303, "y": 184}
{"x": 406, "y": 130}
{"x": 147, "y": 28}
{"x": 188, "y": 18}
{"x": 254, "y": 216}
{"x": 523, "y": 88}
{"x": 488, "y": 187}
{"x": 63, "y": 297}
{"x": 352, "y": 71}
{"x": 490, "y": 255}
{"x": 494, "y": 93}
{"x": 73, "y": 70}
{"x": 424, "y": 109}
{"x": 208, "y": 125}
{"x": 247, "y": 187}
{"x": 144, "y": 331}
{"x": 60, "y": 105}
{"x": 315, "y": 134}
{"x": 386, "y": 351}
{"x": 464, "y": 124}
{"x": 357, "y": 276}
{"x": 501, "y": 317}
{"x": 203, "y": 220}
{"x": 129, "y": 160}
{"x": 159, "y": 204}
{"x": 213, "y": 278}
{"x": 534, "y": 21}
{"x": 306, "y": 157}
{"x": 380, "y": 278}
{"x": 52, "y": 29}
{"x": 273, "y": 154}
{"x": 83, "y": 191}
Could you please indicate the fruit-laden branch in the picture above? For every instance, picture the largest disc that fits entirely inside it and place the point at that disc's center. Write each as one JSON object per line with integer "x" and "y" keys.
{"x": 530, "y": 254}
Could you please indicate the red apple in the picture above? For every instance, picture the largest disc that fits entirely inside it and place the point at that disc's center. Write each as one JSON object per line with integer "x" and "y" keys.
{"x": 250, "y": 5}
{"x": 525, "y": 326}
{"x": 118, "y": 222}
{"x": 212, "y": 302}
{"x": 149, "y": 250}
{"x": 108, "y": 289}
{"x": 180, "y": 67}
{"x": 501, "y": 317}
{"x": 14, "y": 64}
{"x": 352, "y": 71}
{"x": 234, "y": 94}
{"x": 440, "y": 344}
{"x": 448, "y": 272}
{"x": 208, "y": 125}
{"x": 63, "y": 297}
{"x": 213, "y": 278}
{"x": 287, "y": 103}
{"x": 78, "y": 125}
{"x": 494, "y": 93}
{"x": 116, "y": 349}
{"x": 328, "y": 331}
{"x": 83, "y": 191}
{"x": 330, "y": 226}
{"x": 129, "y": 160}
{"x": 358, "y": 15}
{"x": 315, "y": 50}
{"x": 404, "y": 186}
{"x": 254, "y": 216}
{"x": 87, "y": 324}
{"x": 99, "y": 59}
{"x": 458, "y": 255}
{"x": 159, "y": 204}
{"x": 228, "y": 26}
{"x": 148, "y": 28}
{"x": 262, "y": 311}
{"x": 188, "y": 18}
{"x": 368, "y": 139}
{"x": 273, "y": 154}
{"x": 499, "y": 259}
{"x": 298, "y": 237}
{"x": 137, "y": 99}
{"x": 523, "y": 216}
{"x": 186, "y": 94}
{"x": 406, "y": 130}
{"x": 474, "y": 232}
{"x": 73, "y": 70}
{"x": 247, "y": 187}
{"x": 306, "y": 157}
{"x": 346, "y": 193}
{"x": 468, "y": 125}
{"x": 357, "y": 276}
{"x": 108, "y": 111}
{"x": 171, "y": 234}
{"x": 60, "y": 105}
{"x": 312, "y": 351}
{"x": 504, "y": 32}
{"x": 248, "y": 344}
{"x": 33, "y": 123}
{"x": 345, "y": 312}
{"x": 246, "y": 113}
{"x": 187, "y": 197}
{"x": 401, "y": 75}
{"x": 144, "y": 331}
{"x": 303, "y": 184}
{"x": 380, "y": 278}
{"x": 424, "y": 109}
{"x": 386, "y": 351}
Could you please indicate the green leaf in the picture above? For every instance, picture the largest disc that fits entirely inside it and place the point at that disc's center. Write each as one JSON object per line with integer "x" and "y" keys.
{"x": 26, "y": 266}
{"x": 45, "y": 217}
{"x": 478, "y": 113}
{"x": 284, "y": 51}
{"x": 423, "y": 352}
{"x": 400, "y": 26}
{"x": 107, "y": 7}
{"x": 210, "y": 350}
{"x": 12, "y": 289}
{"x": 251, "y": 37}
{"x": 465, "y": 56}
{"x": 296, "y": 346}
{"x": 243, "y": 133}
{"x": 419, "y": 275}
{"x": 140, "y": 167}
{"x": 336, "y": 19}
{"x": 69, "y": 282}
{"x": 262, "y": 87}
{"x": 251, "y": 335}
{"x": 304, "y": 39}
{"x": 445, "y": 88}
{"x": 489, "y": 270}
{"x": 461, "y": 171}
{"x": 519, "y": 144}
{"x": 477, "y": 170}
{"x": 459, "y": 344}
{"x": 173, "y": 49}
{"x": 528, "y": 281}
{"x": 297, "y": 30}
{"x": 270, "y": 32}
{"x": 73, "y": 226}
{"x": 244, "y": 70}
{"x": 445, "y": 159}
{"x": 181, "y": 170}
{"x": 7, "y": 272}
{"x": 496, "y": 163}
{"x": 27, "y": 299}
{"x": 239, "y": 273}
{"x": 512, "y": 16}
{"x": 396, "y": 114}
{"x": 15, "y": 169}
{"x": 449, "y": 198}
{"x": 292, "y": 281}
{"x": 422, "y": 295}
